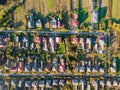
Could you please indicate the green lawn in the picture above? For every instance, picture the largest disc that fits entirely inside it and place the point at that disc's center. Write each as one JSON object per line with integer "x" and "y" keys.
{"x": 115, "y": 9}
{"x": 50, "y": 3}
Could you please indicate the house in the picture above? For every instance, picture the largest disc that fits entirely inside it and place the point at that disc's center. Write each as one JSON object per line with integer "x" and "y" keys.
{"x": 41, "y": 66}
{"x": 95, "y": 84}
{"x": 88, "y": 43}
{"x": 38, "y": 23}
{"x": 55, "y": 65}
{"x": 74, "y": 40}
{"x": 59, "y": 25}
{"x": 75, "y": 81}
{"x": 51, "y": 41}
{"x": 95, "y": 16}
{"x": 95, "y": 69}
{"x": 82, "y": 83}
{"x": 27, "y": 83}
{"x": 81, "y": 42}
{"x": 8, "y": 64}
{"x": 37, "y": 39}
{"x": 62, "y": 82}
{"x": 14, "y": 69}
{"x": 88, "y": 69}
{"x": 21, "y": 66}
{"x": 101, "y": 69}
{"x": 48, "y": 83}
{"x": 82, "y": 69}
{"x": 28, "y": 67}
{"x": 58, "y": 40}
{"x": 7, "y": 84}
{"x": 54, "y": 23}
{"x": 47, "y": 24}
{"x": 114, "y": 62}
{"x": 45, "y": 46}
{"x": 14, "y": 83}
{"x": 74, "y": 21}
{"x": 25, "y": 42}
{"x": 35, "y": 65}
{"x": 108, "y": 83}
{"x": 31, "y": 22}
{"x": 47, "y": 68}
{"x": 41, "y": 83}
{"x": 55, "y": 82}
{"x": 115, "y": 83}
{"x": 35, "y": 85}
{"x": 21, "y": 83}
{"x": 113, "y": 69}
{"x": 102, "y": 83}
{"x": 88, "y": 85}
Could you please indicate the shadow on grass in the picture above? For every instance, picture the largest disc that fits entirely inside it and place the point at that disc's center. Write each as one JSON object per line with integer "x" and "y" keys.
{"x": 102, "y": 12}
{"x": 83, "y": 15}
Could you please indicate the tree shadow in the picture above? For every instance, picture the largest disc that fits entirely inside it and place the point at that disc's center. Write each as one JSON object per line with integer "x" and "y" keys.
{"x": 83, "y": 15}
{"x": 102, "y": 12}
{"x": 3, "y": 2}
{"x": 18, "y": 24}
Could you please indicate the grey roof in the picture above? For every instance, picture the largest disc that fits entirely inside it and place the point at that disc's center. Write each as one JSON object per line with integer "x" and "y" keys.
{"x": 27, "y": 83}
{"x": 21, "y": 83}
{"x": 41, "y": 83}
{"x": 7, "y": 82}
{"x": 62, "y": 82}
{"x": 75, "y": 82}
{"x": 14, "y": 82}
{"x": 48, "y": 83}
{"x": 55, "y": 82}
{"x": 35, "y": 83}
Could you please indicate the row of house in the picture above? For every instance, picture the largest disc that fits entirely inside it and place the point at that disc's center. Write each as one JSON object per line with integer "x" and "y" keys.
{"x": 87, "y": 43}
{"x": 89, "y": 66}
{"x": 49, "y": 83}
{"x": 20, "y": 65}
{"x": 37, "y": 65}
{"x": 52, "y": 23}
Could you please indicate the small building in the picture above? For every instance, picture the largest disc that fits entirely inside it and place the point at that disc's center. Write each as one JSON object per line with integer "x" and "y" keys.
{"x": 108, "y": 83}
{"x": 14, "y": 83}
{"x": 62, "y": 82}
{"x": 102, "y": 83}
{"x": 14, "y": 69}
{"x": 82, "y": 83}
{"x": 75, "y": 82}
{"x": 95, "y": 16}
{"x": 48, "y": 83}
{"x": 35, "y": 85}
{"x": 41, "y": 83}
{"x": 21, "y": 83}
{"x": 31, "y": 21}
{"x": 82, "y": 69}
{"x": 28, "y": 83}
{"x": 38, "y": 23}
{"x": 54, "y": 23}
{"x": 21, "y": 66}
{"x": 115, "y": 83}
{"x": 55, "y": 82}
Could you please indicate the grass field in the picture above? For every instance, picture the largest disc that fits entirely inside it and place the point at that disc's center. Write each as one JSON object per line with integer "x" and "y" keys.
{"x": 115, "y": 9}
